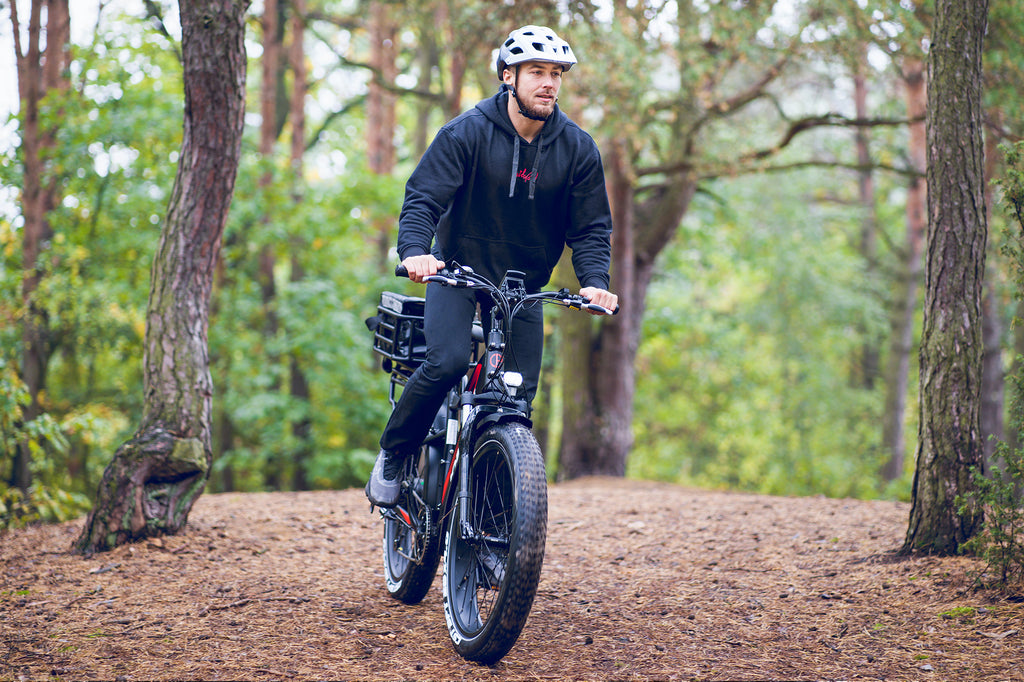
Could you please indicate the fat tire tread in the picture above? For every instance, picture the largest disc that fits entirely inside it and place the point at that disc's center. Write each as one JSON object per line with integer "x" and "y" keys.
{"x": 416, "y": 582}
{"x": 526, "y": 553}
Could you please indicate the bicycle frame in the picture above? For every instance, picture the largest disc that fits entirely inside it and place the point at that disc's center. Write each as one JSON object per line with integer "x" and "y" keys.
{"x": 486, "y": 395}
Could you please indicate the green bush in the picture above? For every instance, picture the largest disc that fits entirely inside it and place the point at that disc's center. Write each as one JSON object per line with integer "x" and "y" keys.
{"x": 1000, "y": 543}
{"x": 42, "y": 501}
{"x": 999, "y": 492}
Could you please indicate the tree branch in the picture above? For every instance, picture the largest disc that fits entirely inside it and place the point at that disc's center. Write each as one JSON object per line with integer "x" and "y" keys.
{"x": 377, "y": 75}
{"x": 810, "y": 163}
{"x": 743, "y": 163}
{"x": 830, "y": 120}
{"x": 756, "y": 89}
{"x": 155, "y": 13}
{"x": 315, "y": 137}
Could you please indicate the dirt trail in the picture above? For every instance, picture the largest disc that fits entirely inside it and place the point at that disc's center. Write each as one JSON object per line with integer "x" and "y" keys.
{"x": 641, "y": 581}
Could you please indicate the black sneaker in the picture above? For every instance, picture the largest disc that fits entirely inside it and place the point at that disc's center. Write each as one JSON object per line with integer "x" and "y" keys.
{"x": 385, "y": 482}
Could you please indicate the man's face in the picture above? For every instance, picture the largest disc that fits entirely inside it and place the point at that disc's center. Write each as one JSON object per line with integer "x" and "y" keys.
{"x": 537, "y": 87}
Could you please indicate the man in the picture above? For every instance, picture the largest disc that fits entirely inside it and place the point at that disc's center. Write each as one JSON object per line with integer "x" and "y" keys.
{"x": 504, "y": 186}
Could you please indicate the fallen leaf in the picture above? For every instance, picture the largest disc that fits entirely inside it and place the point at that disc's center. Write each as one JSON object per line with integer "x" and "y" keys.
{"x": 105, "y": 569}
{"x": 998, "y": 635}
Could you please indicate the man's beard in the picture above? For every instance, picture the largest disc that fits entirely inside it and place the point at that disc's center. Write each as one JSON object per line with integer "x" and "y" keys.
{"x": 533, "y": 113}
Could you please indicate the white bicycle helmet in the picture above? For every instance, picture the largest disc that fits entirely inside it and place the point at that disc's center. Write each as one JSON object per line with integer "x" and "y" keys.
{"x": 534, "y": 44}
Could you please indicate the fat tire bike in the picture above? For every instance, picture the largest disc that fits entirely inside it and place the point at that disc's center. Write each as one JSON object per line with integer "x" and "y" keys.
{"x": 476, "y": 494}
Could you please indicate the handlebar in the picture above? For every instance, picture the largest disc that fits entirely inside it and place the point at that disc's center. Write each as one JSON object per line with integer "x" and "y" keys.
{"x": 464, "y": 277}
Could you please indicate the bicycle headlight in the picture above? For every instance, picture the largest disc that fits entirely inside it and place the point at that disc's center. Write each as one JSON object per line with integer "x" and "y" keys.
{"x": 513, "y": 380}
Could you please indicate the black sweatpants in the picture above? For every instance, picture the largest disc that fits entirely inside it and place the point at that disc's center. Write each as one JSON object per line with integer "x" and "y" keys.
{"x": 447, "y": 325}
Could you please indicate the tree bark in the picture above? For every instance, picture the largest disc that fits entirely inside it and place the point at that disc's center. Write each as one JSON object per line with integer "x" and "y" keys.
{"x": 380, "y": 113}
{"x": 867, "y": 367}
{"x": 598, "y": 398}
{"x": 155, "y": 477}
{"x": 949, "y": 440}
{"x": 993, "y": 376}
{"x": 598, "y": 433}
{"x": 298, "y": 385}
{"x": 41, "y": 76}
{"x": 274, "y": 470}
{"x": 901, "y": 316}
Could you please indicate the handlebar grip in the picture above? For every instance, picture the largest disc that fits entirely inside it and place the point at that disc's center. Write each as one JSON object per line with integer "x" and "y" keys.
{"x": 402, "y": 271}
{"x": 600, "y": 308}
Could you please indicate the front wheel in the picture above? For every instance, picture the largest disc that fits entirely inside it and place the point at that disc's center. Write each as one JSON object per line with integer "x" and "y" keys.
{"x": 493, "y": 560}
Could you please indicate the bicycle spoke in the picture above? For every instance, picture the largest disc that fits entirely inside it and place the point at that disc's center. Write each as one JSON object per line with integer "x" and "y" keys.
{"x": 411, "y": 554}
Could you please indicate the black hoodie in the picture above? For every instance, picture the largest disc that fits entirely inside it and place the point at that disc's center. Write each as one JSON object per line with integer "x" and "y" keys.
{"x": 497, "y": 202}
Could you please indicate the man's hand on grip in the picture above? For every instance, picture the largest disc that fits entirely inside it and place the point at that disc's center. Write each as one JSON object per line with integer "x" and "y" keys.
{"x": 423, "y": 266}
{"x": 605, "y": 299}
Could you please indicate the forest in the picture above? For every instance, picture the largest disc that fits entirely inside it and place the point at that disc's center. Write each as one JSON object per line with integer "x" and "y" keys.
{"x": 766, "y": 163}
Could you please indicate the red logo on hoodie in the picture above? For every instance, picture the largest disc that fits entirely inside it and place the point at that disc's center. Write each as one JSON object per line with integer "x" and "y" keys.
{"x": 525, "y": 175}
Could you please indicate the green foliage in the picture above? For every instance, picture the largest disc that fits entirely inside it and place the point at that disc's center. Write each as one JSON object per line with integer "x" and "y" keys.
{"x": 999, "y": 492}
{"x": 314, "y": 321}
{"x": 47, "y": 499}
{"x": 964, "y": 614}
{"x": 1000, "y": 543}
{"x": 745, "y": 364}
{"x": 118, "y": 129}
{"x": 42, "y": 504}
{"x": 1004, "y": 64}
{"x": 1012, "y": 185}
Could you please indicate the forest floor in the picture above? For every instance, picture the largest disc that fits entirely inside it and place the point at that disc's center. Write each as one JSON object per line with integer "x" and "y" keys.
{"x": 641, "y": 581}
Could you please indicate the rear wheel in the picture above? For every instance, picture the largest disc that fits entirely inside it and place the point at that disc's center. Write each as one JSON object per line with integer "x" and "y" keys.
{"x": 412, "y": 546}
{"x": 493, "y": 561}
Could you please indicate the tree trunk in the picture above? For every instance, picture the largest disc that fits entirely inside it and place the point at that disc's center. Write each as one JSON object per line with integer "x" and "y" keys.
{"x": 901, "y": 317}
{"x": 949, "y": 441}
{"x": 993, "y": 373}
{"x": 600, "y": 381}
{"x": 274, "y": 470}
{"x": 867, "y": 367}
{"x": 598, "y": 398}
{"x": 429, "y": 60}
{"x": 297, "y": 110}
{"x": 991, "y": 408}
{"x": 298, "y": 386}
{"x": 154, "y": 479}
{"x": 380, "y": 113}
{"x": 41, "y": 74}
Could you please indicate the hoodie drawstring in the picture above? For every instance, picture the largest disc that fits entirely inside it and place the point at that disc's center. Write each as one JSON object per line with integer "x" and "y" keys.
{"x": 536, "y": 165}
{"x": 515, "y": 169}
